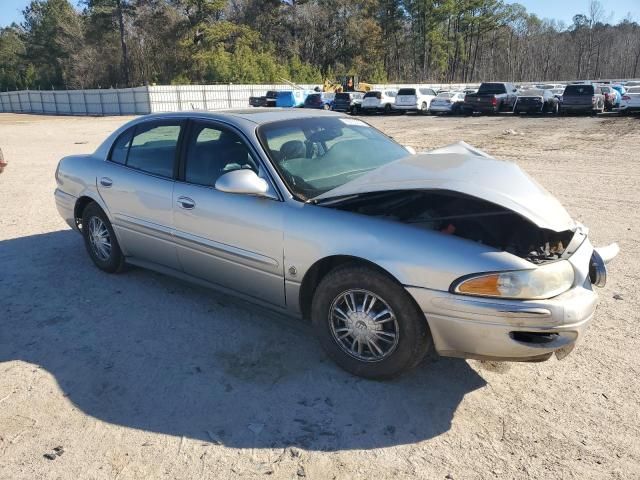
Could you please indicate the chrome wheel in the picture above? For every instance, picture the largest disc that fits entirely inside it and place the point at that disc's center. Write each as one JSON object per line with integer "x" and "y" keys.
{"x": 363, "y": 325}
{"x": 99, "y": 239}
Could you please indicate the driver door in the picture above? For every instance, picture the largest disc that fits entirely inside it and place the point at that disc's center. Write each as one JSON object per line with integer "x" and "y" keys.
{"x": 233, "y": 240}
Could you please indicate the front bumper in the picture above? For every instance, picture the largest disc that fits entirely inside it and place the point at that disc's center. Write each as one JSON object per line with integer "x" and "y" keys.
{"x": 515, "y": 330}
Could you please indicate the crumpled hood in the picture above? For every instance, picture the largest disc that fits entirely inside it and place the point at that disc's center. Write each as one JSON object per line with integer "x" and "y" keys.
{"x": 464, "y": 169}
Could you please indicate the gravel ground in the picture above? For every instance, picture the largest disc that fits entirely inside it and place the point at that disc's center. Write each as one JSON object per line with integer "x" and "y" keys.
{"x": 143, "y": 376}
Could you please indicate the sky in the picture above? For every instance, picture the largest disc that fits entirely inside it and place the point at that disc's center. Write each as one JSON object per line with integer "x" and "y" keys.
{"x": 554, "y": 9}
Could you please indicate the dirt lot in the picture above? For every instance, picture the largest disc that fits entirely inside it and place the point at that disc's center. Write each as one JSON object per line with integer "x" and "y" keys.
{"x": 142, "y": 376}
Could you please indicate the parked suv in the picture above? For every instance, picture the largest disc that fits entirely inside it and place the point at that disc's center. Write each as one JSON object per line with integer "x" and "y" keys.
{"x": 491, "y": 97}
{"x": 379, "y": 101}
{"x": 349, "y": 102}
{"x": 582, "y": 98}
{"x": 415, "y": 99}
{"x": 323, "y": 101}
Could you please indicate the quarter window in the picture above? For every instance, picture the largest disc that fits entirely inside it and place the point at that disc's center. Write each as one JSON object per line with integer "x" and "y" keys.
{"x": 153, "y": 148}
{"x": 121, "y": 147}
{"x": 213, "y": 151}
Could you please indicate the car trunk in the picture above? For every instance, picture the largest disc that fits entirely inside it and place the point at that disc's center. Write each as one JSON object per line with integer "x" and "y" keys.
{"x": 578, "y": 95}
{"x": 372, "y": 100}
{"x": 407, "y": 96}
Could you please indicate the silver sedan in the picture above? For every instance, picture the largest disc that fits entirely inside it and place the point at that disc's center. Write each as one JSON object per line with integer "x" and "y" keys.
{"x": 390, "y": 254}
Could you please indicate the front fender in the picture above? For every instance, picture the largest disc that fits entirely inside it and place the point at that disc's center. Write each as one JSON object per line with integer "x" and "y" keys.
{"x": 413, "y": 256}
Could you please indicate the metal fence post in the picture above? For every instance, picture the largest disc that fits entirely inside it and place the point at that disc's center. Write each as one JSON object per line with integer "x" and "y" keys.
{"x": 41, "y": 102}
{"x": 20, "y": 101}
{"x": 69, "y": 102}
{"x": 179, "y": 97}
{"x": 118, "y": 98}
{"x": 229, "y": 93}
{"x": 204, "y": 97}
{"x": 101, "y": 105}
{"x": 84, "y": 101}
{"x": 55, "y": 101}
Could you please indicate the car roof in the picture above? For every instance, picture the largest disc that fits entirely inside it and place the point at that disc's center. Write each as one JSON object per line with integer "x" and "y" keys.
{"x": 257, "y": 115}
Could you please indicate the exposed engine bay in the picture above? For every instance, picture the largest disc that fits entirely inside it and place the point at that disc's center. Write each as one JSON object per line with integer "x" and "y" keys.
{"x": 464, "y": 216}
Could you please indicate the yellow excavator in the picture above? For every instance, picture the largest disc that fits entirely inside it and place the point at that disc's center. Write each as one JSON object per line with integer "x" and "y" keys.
{"x": 347, "y": 83}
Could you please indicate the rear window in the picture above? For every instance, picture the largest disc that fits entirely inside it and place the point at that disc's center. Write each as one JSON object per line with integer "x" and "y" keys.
{"x": 407, "y": 91}
{"x": 492, "y": 88}
{"x": 377, "y": 95}
{"x": 427, "y": 91}
{"x": 314, "y": 97}
{"x": 343, "y": 96}
{"x": 578, "y": 90}
{"x": 445, "y": 95}
{"x": 272, "y": 94}
{"x": 605, "y": 89}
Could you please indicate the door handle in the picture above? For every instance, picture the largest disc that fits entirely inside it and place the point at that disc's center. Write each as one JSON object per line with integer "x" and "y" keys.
{"x": 106, "y": 182}
{"x": 186, "y": 203}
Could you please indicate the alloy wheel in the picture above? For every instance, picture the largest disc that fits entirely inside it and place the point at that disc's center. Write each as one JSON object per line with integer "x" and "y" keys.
{"x": 99, "y": 238}
{"x": 363, "y": 325}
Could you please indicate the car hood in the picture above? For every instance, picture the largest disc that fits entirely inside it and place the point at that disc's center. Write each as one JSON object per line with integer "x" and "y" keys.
{"x": 464, "y": 169}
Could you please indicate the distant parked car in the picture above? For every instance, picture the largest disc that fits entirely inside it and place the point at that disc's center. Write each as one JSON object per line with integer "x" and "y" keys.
{"x": 492, "y": 97}
{"x": 557, "y": 92}
{"x": 322, "y": 101}
{"x": 582, "y": 98}
{"x": 291, "y": 98}
{"x": 348, "y": 102}
{"x": 414, "y": 99}
{"x": 447, "y": 102}
{"x": 379, "y": 101}
{"x": 630, "y": 102}
{"x": 268, "y": 100}
{"x": 536, "y": 101}
{"x": 632, "y": 83}
{"x": 611, "y": 97}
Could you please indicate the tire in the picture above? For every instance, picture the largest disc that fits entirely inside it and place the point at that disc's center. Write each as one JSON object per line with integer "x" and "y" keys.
{"x": 396, "y": 355}
{"x": 424, "y": 108}
{"x": 556, "y": 109}
{"x": 387, "y": 109}
{"x": 110, "y": 259}
{"x": 326, "y": 106}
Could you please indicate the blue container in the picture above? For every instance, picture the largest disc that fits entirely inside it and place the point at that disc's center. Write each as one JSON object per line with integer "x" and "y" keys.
{"x": 291, "y": 98}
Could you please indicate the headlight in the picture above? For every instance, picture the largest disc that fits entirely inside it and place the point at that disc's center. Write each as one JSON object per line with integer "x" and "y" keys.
{"x": 545, "y": 281}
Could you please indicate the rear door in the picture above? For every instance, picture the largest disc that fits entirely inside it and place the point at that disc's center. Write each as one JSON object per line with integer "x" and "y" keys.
{"x": 136, "y": 184}
{"x": 229, "y": 239}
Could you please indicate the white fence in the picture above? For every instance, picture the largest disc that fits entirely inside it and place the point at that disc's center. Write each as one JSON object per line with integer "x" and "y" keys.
{"x": 148, "y": 99}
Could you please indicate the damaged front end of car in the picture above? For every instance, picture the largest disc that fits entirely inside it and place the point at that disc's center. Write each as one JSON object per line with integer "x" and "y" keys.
{"x": 526, "y": 314}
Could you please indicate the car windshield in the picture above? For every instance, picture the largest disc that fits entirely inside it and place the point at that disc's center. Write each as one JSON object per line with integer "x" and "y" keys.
{"x": 445, "y": 95}
{"x": 634, "y": 90}
{"x": 317, "y": 154}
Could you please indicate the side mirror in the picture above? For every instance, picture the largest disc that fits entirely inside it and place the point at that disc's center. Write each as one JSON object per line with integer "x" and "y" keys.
{"x": 409, "y": 149}
{"x": 242, "y": 181}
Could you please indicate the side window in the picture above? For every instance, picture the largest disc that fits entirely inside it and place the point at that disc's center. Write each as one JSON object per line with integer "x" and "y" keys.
{"x": 213, "y": 151}
{"x": 153, "y": 148}
{"x": 121, "y": 147}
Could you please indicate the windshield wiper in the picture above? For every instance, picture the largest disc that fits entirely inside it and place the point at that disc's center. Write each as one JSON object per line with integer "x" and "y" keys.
{"x": 332, "y": 200}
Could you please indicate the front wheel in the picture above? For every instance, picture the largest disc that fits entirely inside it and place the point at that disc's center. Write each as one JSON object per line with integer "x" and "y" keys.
{"x": 100, "y": 239}
{"x": 387, "y": 109}
{"x": 368, "y": 324}
{"x": 424, "y": 108}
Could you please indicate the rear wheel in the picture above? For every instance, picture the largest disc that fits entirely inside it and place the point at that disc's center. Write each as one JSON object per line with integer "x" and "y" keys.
{"x": 368, "y": 324}
{"x": 424, "y": 108}
{"x": 100, "y": 240}
{"x": 387, "y": 109}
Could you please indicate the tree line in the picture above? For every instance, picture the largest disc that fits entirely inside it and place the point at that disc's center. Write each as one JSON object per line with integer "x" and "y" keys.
{"x": 109, "y": 43}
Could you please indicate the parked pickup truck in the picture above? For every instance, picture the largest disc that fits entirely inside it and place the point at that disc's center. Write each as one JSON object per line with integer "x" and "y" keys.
{"x": 268, "y": 100}
{"x": 491, "y": 97}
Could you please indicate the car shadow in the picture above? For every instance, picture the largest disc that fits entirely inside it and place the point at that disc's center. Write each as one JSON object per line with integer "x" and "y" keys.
{"x": 147, "y": 351}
